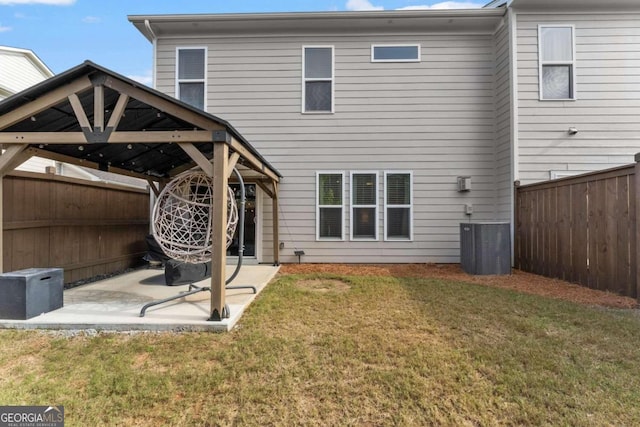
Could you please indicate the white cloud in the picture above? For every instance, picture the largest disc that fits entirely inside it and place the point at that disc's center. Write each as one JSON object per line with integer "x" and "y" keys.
{"x": 5, "y": 29}
{"x": 91, "y": 20}
{"x": 446, "y": 5}
{"x": 145, "y": 79}
{"x": 47, "y": 2}
{"x": 362, "y": 5}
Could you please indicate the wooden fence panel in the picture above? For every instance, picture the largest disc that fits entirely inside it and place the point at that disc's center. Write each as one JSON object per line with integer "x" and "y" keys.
{"x": 86, "y": 228}
{"x": 581, "y": 229}
{"x": 622, "y": 261}
{"x": 563, "y": 233}
{"x": 579, "y": 254}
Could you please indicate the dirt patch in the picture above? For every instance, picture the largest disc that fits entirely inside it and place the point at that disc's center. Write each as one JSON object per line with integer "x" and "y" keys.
{"x": 323, "y": 286}
{"x": 518, "y": 281}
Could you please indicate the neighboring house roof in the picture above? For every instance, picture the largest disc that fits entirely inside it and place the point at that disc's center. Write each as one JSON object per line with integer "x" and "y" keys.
{"x": 564, "y": 4}
{"x": 21, "y": 68}
{"x": 115, "y": 178}
{"x": 377, "y": 22}
{"x": 495, "y": 3}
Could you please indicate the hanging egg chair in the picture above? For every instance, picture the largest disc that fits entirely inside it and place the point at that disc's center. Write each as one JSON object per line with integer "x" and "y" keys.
{"x": 181, "y": 221}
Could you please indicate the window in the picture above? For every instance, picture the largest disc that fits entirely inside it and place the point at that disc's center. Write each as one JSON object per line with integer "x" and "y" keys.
{"x": 395, "y": 53}
{"x": 556, "y": 57}
{"x": 330, "y": 202}
{"x": 364, "y": 206}
{"x": 317, "y": 85}
{"x": 191, "y": 72}
{"x": 398, "y": 206}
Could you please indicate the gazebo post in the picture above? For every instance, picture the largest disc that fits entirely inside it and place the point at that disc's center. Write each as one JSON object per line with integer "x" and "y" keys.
{"x": 276, "y": 228}
{"x": 218, "y": 219}
{"x": 1, "y": 224}
{"x": 11, "y": 158}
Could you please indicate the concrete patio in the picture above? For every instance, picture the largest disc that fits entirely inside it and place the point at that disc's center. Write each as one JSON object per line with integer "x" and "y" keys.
{"x": 114, "y": 304}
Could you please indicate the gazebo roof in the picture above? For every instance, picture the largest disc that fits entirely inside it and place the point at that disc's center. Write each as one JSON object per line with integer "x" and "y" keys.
{"x": 92, "y": 116}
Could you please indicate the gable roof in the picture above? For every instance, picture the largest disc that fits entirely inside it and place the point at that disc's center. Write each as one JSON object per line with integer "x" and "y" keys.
{"x": 54, "y": 118}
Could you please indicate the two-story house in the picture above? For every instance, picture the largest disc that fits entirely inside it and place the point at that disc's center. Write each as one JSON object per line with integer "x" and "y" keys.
{"x": 392, "y": 127}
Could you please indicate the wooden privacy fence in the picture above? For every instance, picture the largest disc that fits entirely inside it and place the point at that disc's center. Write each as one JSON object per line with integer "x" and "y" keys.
{"x": 87, "y": 228}
{"x": 581, "y": 229}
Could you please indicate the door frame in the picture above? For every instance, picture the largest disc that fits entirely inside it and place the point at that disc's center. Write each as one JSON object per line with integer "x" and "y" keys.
{"x": 257, "y": 259}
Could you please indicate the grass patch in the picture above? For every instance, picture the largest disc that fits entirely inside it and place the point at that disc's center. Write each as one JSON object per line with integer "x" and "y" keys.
{"x": 346, "y": 350}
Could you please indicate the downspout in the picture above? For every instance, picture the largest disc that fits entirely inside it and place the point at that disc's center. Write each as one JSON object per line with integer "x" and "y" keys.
{"x": 515, "y": 156}
{"x": 154, "y": 42}
{"x": 147, "y": 25}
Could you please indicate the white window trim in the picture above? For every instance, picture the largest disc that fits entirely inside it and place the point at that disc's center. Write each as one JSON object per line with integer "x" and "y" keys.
{"x": 353, "y": 205}
{"x": 318, "y": 206}
{"x": 386, "y": 206}
{"x": 305, "y": 80}
{"x": 204, "y": 80}
{"x": 572, "y": 62}
{"x": 419, "y": 59}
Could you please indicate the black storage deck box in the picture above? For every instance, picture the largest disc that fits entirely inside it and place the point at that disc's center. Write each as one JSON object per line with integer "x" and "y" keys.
{"x": 28, "y": 293}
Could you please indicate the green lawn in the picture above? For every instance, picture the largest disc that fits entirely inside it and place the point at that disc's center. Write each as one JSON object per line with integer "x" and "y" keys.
{"x": 380, "y": 351}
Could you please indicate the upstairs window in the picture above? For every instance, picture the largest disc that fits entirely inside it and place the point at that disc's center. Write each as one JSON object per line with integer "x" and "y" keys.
{"x": 330, "y": 203}
{"x": 364, "y": 206}
{"x": 395, "y": 53}
{"x": 556, "y": 58}
{"x": 191, "y": 72}
{"x": 317, "y": 87}
{"x": 398, "y": 206}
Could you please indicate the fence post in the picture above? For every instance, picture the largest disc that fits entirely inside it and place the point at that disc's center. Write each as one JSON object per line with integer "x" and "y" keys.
{"x": 637, "y": 228}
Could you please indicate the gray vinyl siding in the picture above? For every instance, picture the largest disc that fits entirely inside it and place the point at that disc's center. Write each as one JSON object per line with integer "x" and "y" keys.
{"x": 608, "y": 97}
{"x": 504, "y": 184}
{"x": 435, "y": 118}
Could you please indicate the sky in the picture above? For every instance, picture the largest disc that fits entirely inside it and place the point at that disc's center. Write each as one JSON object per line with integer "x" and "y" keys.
{"x": 64, "y": 33}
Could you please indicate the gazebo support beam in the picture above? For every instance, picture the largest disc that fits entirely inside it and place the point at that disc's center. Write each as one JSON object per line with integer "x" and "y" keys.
{"x": 218, "y": 220}
{"x": 153, "y": 187}
{"x": 118, "y": 112}
{"x": 1, "y": 225}
{"x": 86, "y": 163}
{"x": 251, "y": 160}
{"x": 197, "y": 156}
{"x": 42, "y": 103}
{"x": 276, "y": 228}
{"x": 13, "y": 154}
{"x": 168, "y": 136}
{"x": 12, "y": 157}
{"x": 273, "y": 194}
{"x": 81, "y": 115}
{"x": 98, "y": 108}
{"x": 233, "y": 159}
{"x": 264, "y": 188}
{"x": 165, "y": 105}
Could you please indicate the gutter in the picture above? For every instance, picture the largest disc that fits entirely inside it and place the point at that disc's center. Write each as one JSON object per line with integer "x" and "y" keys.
{"x": 296, "y": 16}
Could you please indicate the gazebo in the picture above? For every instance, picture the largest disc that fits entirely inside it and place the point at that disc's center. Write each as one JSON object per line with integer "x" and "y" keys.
{"x": 93, "y": 117}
